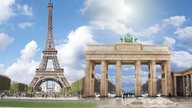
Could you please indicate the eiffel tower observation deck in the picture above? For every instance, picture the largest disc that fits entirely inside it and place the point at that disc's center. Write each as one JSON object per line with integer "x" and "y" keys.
{"x": 44, "y": 73}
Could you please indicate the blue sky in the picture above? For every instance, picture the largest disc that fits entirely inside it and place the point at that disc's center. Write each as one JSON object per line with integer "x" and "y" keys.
{"x": 23, "y": 28}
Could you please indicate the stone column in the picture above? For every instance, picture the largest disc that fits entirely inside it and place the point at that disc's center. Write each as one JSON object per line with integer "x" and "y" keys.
{"x": 187, "y": 85}
{"x": 191, "y": 84}
{"x": 189, "y": 81}
{"x": 92, "y": 66}
{"x": 87, "y": 87}
{"x": 138, "y": 78}
{"x": 152, "y": 87}
{"x": 184, "y": 90}
{"x": 149, "y": 80}
{"x": 169, "y": 78}
{"x": 118, "y": 78}
{"x": 175, "y": 86}
{"x": 164, "y": 79}
{"x": 104, "y": 79}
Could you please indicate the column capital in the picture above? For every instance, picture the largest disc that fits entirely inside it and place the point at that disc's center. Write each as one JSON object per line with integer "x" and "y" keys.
{"x": 87, "y": 60}
{"x": 165, "y": 61}
{"x": 118, "y": 60}
{"x": 118, "y": 63}
{"x": 138, "y": 62}
{"x": 153, "y": 61}
{"x": 104, "y": 61}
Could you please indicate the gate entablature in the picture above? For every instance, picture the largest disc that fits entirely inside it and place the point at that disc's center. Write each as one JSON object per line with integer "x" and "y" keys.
{"x": 127, "y": 52}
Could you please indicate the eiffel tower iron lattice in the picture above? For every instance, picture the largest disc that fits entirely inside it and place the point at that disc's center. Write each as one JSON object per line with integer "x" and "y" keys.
{"x": 43, "y": 73}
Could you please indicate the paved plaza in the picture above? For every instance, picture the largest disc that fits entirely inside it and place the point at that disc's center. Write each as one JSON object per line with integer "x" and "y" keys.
{"x": 145, "y": 102}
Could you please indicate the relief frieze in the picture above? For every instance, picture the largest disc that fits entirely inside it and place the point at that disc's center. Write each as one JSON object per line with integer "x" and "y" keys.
{"x": 127, "y": 47}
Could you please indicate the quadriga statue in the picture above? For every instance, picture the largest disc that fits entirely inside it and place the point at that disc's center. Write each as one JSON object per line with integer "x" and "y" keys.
{"x": 128, "y": 38}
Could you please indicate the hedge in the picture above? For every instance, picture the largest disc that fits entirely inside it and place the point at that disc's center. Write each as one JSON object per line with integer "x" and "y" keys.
{"x": 5, "y": 83}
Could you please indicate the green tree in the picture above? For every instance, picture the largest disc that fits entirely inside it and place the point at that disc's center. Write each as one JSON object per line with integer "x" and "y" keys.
{"x": 4, "y": 83}
{"x": 75, "y": 87}
{"x": 20, "y": 87}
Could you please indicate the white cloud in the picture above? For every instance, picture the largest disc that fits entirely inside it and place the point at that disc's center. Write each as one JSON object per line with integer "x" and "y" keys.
{"x": 181, "y": 59}
{"x": 184, "y": 33}
{"x": 6, "y": 9}
{"x": 25, "y": 9}
{"x": 147, "y": 42}
{"x": 5, "y": 40}
{"x": 150, "y": 31}
{"x": 27, "y": 54}
{"x": 128, "y": 68}
{"x": 25, "y": 25}
{"x": 23, "y": 69}
{"x": 77, "y": 41}
{"x": 184, "y": 36}
{"x": 112, "y": 15}
{"x": 73, "y": 74}
{"x": 174, "y": 21}
{"x": 71, "y": 53}
{"x": 1, "y": 68}
{"x": 169, "y": 41}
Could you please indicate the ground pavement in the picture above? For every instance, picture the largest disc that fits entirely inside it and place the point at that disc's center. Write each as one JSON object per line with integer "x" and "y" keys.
{"x": 133, "y": 102}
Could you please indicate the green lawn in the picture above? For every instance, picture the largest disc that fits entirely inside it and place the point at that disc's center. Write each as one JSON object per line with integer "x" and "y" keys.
{"x": 46, "y": 104}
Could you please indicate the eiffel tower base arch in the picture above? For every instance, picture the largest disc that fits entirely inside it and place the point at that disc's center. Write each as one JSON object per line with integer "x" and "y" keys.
{"x": 43, "y": 76}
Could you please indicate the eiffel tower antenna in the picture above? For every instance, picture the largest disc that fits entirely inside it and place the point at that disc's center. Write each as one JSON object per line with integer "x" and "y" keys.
{"x": 43, "y": 73}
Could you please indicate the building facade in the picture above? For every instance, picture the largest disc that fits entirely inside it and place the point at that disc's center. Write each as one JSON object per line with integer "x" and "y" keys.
{"x": 182, "y": 82}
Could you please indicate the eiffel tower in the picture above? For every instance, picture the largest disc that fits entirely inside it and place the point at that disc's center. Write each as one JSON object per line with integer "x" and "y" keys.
{"x": 43, "y": 73}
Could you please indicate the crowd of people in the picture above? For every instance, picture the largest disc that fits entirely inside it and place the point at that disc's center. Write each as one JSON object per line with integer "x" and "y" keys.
{"x": 2, "y": 94}
{"x": 128, "y": 94}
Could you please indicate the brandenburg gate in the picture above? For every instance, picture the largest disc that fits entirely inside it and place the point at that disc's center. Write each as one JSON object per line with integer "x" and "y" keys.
{"x": 128, "y": 53}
